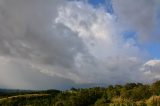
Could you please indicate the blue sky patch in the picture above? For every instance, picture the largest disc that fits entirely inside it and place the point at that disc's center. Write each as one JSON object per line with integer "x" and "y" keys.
{"x": 107, "y": 4}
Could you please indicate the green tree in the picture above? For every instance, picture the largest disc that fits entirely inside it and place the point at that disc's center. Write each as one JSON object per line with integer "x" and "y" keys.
{"x": 156, "y": 88}
{"x": 102, "y": 102}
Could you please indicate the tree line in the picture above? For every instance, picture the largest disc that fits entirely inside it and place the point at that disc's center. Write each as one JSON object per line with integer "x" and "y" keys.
{"x": 130, "y": 94}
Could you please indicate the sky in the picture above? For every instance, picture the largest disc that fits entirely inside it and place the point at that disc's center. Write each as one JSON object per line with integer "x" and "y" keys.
{"x": 59, "y": 44}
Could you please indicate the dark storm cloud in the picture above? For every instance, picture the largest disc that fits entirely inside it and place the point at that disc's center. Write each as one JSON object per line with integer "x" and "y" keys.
{"x": 27, "y": 31}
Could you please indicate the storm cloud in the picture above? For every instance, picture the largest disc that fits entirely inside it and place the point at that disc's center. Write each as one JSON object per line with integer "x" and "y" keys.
{"x": 60, "y": 44}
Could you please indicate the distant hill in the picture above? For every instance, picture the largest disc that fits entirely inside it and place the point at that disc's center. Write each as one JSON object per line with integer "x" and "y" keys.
{"x": 5, "y": 91}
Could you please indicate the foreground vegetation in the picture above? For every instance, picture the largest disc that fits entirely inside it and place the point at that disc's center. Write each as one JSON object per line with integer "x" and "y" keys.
{"x": 130, "y": 94}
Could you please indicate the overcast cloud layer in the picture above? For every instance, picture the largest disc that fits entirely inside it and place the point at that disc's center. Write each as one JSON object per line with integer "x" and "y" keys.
{"x": 60, "y": 44}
